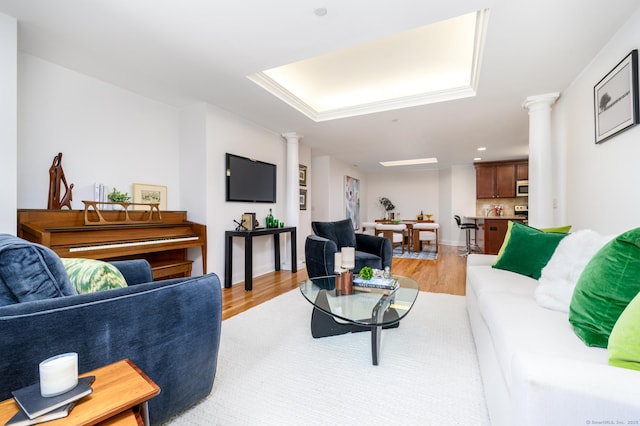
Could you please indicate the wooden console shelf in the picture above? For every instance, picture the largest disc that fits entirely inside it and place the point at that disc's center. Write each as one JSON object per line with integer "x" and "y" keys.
{"x": 248, "y": 252}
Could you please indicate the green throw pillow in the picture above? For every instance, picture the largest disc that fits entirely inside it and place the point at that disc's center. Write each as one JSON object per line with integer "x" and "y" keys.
{"x": 624, "y": 341}
{"x": 559, "y": 229}
{"x": 606, "y": 286}
{"x": 90, "y": 276}
{"x": 528, "y": 250}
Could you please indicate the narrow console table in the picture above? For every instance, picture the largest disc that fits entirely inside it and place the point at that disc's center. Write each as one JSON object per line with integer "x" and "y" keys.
{"x": 248, "y": 252}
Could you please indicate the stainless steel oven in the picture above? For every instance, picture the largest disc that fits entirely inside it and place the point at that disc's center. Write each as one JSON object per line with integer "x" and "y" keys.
{"x": 522, "y": 188}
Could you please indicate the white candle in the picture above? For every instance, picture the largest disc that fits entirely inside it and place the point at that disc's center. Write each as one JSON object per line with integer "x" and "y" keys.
{"x": 337, "y": 261}
{"x": 58, "y": 374}
{"x": 348, "y": 257}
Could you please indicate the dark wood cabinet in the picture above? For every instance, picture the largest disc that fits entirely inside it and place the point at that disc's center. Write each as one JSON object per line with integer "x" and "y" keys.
{"x": 498, "y": 179}
{"x": 522, "y": 171}
{"x": 494, "y": 231}
{"x": 485, "y": 181}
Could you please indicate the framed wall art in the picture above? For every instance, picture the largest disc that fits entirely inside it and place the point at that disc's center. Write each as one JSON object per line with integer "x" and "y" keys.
{"x": 143, "y": 193}
{"x": 302, "y": 175}
{"x": 352, "y": 200}
{"x": 303, "y": 199}
{"x": 615, "y": 99}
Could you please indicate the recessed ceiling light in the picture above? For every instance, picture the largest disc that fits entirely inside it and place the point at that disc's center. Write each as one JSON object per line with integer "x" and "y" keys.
{"x": 409, "y": 162}
{"x": 477, "y": 159}
{"x": 482, "y": 148}
{"x": 321, "y": 11}
{"x": 344, "y": 83}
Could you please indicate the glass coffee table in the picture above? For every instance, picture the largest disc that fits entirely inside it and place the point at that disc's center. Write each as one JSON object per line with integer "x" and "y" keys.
{"x": 360, "y": 311}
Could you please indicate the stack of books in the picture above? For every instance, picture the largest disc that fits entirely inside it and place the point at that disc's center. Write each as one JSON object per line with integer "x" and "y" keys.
{"x": 376, "y": 284}
{"x": 34, "y": 408}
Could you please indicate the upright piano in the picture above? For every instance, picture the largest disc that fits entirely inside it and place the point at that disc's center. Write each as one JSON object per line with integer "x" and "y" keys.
{"x": 164, "y": 243}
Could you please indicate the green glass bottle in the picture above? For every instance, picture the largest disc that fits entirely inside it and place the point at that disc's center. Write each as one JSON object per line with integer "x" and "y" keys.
{"x": 269, "y": 220}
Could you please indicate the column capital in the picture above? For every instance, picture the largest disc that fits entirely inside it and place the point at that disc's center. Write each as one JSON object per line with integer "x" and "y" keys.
{"x": 545, "y": 100}
{"x": 292, "y": 136}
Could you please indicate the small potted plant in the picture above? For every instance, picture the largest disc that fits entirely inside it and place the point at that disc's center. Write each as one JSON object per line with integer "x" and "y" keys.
{"x": 387, "y": 205}
{"x": 118, "y": 197}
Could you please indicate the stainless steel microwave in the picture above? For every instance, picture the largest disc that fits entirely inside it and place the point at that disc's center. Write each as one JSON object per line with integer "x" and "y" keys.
{"x": 522, "y": 188}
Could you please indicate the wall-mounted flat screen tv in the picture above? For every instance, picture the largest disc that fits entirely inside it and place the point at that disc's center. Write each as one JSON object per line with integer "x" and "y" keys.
{"x": 250, "y": 180}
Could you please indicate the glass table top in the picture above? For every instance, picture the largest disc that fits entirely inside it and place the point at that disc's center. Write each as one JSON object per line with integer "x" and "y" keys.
{"x": 360, "y": 307}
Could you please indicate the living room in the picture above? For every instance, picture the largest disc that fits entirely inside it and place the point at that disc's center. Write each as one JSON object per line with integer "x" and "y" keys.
{"x": 184, "y": 149}
{"x": 113, "y": 135}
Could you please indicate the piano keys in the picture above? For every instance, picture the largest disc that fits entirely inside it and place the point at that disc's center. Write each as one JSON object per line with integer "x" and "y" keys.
{"x": 165, "y": 245}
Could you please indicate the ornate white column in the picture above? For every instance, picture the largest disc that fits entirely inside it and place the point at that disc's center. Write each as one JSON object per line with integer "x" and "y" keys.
{"x": 541, "y": 170}
{"x": 292, "y": 191}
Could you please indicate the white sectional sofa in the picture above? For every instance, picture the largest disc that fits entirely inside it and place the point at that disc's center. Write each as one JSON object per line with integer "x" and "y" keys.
{"x": 535, "y": 370}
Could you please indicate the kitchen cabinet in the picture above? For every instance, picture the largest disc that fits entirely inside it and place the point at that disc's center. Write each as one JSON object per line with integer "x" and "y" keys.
{"x": 493, "y": 232}
{"x": 522, "y": 171}
{"x": 498, "y": 179}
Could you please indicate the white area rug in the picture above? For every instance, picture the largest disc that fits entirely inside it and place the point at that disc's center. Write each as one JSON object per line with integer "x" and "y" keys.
{"x": 272, "y": 372}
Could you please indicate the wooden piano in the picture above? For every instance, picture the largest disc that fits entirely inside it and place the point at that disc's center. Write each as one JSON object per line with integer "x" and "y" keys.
{"x": 163, "y": 243}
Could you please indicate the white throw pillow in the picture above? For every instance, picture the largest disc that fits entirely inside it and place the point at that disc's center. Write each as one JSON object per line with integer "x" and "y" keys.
{"x": 559, "y": 276}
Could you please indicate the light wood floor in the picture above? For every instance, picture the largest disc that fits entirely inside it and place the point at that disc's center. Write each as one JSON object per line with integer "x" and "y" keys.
{"x": 445, "y": 275}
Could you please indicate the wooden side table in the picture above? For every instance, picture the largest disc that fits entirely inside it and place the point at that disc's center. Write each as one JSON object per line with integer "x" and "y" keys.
{"x": 120, "y": 394}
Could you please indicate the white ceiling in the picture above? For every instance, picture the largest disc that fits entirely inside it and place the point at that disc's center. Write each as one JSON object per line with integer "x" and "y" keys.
{"x": 186, "y": 51}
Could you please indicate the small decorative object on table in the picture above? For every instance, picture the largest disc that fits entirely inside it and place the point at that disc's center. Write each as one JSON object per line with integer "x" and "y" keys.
{"x": 375, "y": 284}
{"x": 344, "y": 263}
{"x": 56, "y": 177}
{"x": 248, "y": 222}
{"x": 387, "y": 205}
{"x": 118, "y": 197}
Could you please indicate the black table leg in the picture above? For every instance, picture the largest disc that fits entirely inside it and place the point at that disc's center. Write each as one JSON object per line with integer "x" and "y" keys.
{"x": 248, "y": 263}
{"x": 228, "y": 261}
{"x": 376, "y": 335}
{"x": 294, "y": 254}
{"x": 276, "y": 249}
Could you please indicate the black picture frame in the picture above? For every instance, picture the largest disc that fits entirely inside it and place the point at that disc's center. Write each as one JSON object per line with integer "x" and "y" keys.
{"x": 303, "y": 199}
{"x": 615, "y": 99}
{"x": 302, "y": 175}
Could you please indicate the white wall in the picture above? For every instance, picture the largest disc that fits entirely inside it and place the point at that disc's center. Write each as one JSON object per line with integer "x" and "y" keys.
{"x": 601, "y": 180}
{"x": 194, "y": 175}
{"x": 8, "y": 120}
{"x": 410, "y": 191}
{"x": 328, "y": 198}
{"x": 118, "y": 138}
{"x": 320, "y": 188}
{"x": 463, "y": 201}
{"x": 106, "y": 134}
{"x": 228, "y": 133}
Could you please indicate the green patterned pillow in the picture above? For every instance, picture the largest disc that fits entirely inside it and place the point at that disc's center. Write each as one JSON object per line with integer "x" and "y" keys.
{"x": 90, "y": 276}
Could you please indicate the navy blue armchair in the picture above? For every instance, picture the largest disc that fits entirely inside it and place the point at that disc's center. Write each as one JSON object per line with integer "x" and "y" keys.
{"x": 370, "y": 250}
{"x": 170, "y": 329}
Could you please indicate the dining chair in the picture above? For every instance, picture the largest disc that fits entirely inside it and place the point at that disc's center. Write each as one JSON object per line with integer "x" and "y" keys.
{"x": 395, "y": 233}
{"x": 425, "y": 232}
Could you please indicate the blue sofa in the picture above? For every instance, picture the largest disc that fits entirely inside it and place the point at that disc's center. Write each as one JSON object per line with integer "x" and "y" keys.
{"x": 170, "y": 329}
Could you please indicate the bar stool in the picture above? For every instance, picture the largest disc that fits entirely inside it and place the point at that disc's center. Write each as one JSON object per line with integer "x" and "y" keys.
{"x": 467, "y": 226}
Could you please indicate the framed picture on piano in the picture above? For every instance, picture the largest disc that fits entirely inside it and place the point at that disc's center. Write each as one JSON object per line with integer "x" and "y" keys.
{"x": 144, "y": 193}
